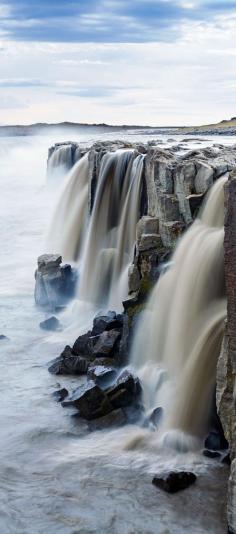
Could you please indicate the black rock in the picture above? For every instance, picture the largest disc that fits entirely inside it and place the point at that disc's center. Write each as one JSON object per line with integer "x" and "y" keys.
{"x": 216, "y": 441}
{"x": 60, "y": 394}
{"x": 125, "y": 391}
{"x": 174, "y": 481}
{"x": 51, "y": 324}
{"x": 107, "y": 344}
{"x": 107, "y": 322}
{"x": 69, "y": 364}
{"x": 83, "y": 345}
{"x": 90, "y": 400}
{"x": 101, "y": 374}
{"x": 114, "y": 419}
{"x": 211, "y": 454}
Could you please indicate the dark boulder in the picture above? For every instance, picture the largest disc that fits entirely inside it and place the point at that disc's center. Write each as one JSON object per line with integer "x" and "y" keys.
{"x": 84, "y": 344}
{"x": 51, "y": 324}
{"x": 114, "y": 419}
{"x": 107, "y": 344}
{"x": 174, "y": 481}
{"x": 107, "y": 322}
{"x": 101, "y": 374}
{"x": 126, "y": 390}
{"x": 60, "y": 394}
{"x": 90, "y": 400}
{"x": 69, "y": 364}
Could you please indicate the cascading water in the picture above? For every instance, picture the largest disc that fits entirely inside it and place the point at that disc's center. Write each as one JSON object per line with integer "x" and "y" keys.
{"x": 67, "y": 229}
{"x": 105, "y": 253}
{"x": 111, "y": 234}
{"x": 178, "y": 340}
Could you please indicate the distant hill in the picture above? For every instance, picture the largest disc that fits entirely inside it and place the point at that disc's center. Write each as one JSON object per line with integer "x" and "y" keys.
{"x": 45, "y": 128}
{"x": 226, "y": 127}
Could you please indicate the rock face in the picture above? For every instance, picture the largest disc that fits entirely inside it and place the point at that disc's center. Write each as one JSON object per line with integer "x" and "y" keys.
{"x": 226, "y": 370}
{"x": 54, "y": 283}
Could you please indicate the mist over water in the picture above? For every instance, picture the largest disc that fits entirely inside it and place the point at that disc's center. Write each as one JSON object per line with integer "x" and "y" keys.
{"x": 55, "y": 477}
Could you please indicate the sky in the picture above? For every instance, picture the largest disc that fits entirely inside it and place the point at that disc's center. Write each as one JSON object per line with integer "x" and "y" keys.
{"x": 150, "y": 62}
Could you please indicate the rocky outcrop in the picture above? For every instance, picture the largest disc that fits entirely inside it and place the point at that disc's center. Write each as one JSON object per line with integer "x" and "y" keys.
{"x": 226, "y": 370}
{"x": 54, "y": 283}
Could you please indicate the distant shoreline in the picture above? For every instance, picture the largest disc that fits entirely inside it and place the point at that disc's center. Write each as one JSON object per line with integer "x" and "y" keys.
{"x": 223, "y": 128}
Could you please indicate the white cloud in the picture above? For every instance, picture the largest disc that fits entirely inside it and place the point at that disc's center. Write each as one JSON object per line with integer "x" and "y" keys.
{"x": 190, "y": 81}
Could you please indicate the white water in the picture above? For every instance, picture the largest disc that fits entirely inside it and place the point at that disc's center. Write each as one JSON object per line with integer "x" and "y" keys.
{"x": 102, "y": 244}
{"x": 179, "y": 337}
{"x": 55, "y": 477}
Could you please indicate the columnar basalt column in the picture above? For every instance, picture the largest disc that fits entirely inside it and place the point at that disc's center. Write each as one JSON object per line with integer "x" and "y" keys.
{"x": 226, "y": 371}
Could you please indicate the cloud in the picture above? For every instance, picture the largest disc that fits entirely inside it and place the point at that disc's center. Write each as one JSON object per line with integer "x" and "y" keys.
{"x": 106, "y": 20}
{"x": 21, "y": 82}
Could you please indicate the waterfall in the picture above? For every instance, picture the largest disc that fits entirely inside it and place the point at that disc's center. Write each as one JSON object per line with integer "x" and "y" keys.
{"x": 179, "y": 336}
{"x": 60, "y": 161}
{"x": 68, "y": 226}
{"x": 103, "y": 245}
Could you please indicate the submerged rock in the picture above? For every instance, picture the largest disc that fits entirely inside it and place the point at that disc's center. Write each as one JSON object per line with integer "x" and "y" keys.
{"x": 174, "y": 481}
{"x": 211, "y": 454}
{"x": 216, "y": 441}
{"x": 51, "y": 324}
{"x": 91, "y": 401}
{"x": 156, "y": 416}
{"x": 114, "y": 419}
{"x": 60, "y": 394}
{"x": 69, "y": 364}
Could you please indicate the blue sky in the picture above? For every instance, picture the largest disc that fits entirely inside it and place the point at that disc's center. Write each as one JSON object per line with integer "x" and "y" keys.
{"x": 105, "y": 20}
{"x": 118, "y": 61}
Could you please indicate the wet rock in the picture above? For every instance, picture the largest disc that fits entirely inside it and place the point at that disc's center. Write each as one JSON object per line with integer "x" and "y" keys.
{"x": 69, "y": 364}
{"x": 211, "y": 454}
{"x": 216, "y": 441}
{"x": 106, "y": 323}
{"x": 83, "y": 345}
{"x": 51, "y": 324}
{"x": 60, "y": 394}
{"x": 54, "y": 283}
{"x": 174, "y": 481}
{"x": 114, "y": 419}
{"x": 107, "y": 344}
{"x": 126, "y": 390}
{"x": 101, "y": 374}
{"x": 91, "y": 401}
{"x": 156, "y": 417}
